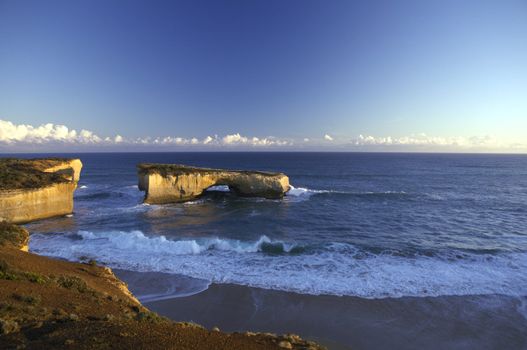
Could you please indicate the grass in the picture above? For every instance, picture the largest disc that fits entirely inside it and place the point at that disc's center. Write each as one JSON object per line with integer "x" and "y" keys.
{"x": 6, "y": 273}
{"x": 9, "y": 276}
{"x": 28, "y": 173}
{"x": 70, "y": 282}
{"x": 178, "y": 169}
{"x": 28, "y": 299}
{"x": 13, "y": 235}
{"x": 35, "y": 277}
{"x": 3, "y": 266}
{"x": 148, "y": 316}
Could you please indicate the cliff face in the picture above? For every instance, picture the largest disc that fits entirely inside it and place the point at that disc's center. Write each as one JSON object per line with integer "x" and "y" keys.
{"x": 178, "y": 183}
{"x": 37, "y": 189}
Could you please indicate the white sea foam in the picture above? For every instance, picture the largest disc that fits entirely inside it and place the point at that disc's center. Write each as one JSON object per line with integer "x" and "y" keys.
{"x": 155, "y": 286}
{"x": 219, "y": 188}
{"x": 303, "y": 192}
{"x": 338, "y": 268}
{"x": 83, "y": 186}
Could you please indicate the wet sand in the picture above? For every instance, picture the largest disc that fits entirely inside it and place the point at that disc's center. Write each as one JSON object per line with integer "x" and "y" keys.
{"x": 464, "y": 322}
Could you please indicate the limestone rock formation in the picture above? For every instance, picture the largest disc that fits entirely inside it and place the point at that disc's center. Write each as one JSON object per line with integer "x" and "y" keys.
{"x": 169, "y": 183}
{"x": 70, "y": 169}
{"x": 32, "y": 189}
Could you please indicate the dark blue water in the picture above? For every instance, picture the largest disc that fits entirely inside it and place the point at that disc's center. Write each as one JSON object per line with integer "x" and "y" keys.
{"x": 358, "y": 224}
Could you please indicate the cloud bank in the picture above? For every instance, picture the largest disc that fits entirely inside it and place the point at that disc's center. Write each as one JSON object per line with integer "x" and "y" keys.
{"x": 15, "y": 137}
{"x": 13, "y": 134}
{"x": 425, "y": 140}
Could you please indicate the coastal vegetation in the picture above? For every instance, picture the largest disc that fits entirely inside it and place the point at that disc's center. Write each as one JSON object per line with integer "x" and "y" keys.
{"x": 13, "y": 235}
{"x": 179, "y": 169}
{"x": 29, "y": 173}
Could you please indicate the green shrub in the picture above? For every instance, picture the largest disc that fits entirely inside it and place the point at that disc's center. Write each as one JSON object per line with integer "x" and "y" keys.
{"x": 5, "y": 275}
{"x": 148, "y": 316}
{"x": 35, "y": 277}
{"x": 69, "y": 282}
{"x": 27, "y": 173}
{"x": 13, "y": 235}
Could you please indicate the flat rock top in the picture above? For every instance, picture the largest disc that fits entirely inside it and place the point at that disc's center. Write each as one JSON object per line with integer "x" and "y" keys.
{"x": 180, "y": 169}
{"x": 16, "y": 173}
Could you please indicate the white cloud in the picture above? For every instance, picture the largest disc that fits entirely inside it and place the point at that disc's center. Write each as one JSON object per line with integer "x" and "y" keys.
{"x": 13, "y": 133}
{"x": 170, "y": 140}
{"x": 234, "y": 139}
{"x": 21, "y": 134}
{"x": 144, "y": 140}
{"x": 118, "y": 139}
{"x": 208, "y": 140}
{"x": 237, "y": 139}
{"x": 425, "y": 140}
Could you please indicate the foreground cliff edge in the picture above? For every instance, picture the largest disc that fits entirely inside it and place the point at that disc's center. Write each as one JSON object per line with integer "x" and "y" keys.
{"x": 32, "y": 189}
{"x": 171, "y": 183}
{"x": 54, "y": 304}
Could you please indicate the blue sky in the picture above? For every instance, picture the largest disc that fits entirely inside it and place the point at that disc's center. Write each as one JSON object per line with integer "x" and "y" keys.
{"x": 314, "y": 75}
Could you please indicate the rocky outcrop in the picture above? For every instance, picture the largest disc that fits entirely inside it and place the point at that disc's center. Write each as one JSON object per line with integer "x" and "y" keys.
{"x": 169, "y": 183}
{"x": 70, "y": 169}
{"x": 37, "y": 189}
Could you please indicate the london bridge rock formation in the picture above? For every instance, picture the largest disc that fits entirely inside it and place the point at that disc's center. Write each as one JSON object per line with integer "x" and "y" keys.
{"x": 168, "y": 183}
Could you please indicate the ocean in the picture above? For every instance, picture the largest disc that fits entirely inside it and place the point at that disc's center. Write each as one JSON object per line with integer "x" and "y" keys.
{"x": 375, "y": 228}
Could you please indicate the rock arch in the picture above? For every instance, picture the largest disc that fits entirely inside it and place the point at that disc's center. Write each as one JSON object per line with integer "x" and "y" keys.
{"x": 169, "y": 183}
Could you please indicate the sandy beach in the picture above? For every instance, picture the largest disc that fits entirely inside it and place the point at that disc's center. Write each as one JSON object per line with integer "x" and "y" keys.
{"x": 477, "y": 322}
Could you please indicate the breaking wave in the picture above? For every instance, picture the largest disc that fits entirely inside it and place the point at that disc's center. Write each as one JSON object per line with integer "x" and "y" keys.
{"x": 336, "y": 268}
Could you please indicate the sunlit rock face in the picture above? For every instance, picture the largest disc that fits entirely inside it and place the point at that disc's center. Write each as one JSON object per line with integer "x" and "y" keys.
{"x": 37, "y": 189}
{"x": 170, "y": 183}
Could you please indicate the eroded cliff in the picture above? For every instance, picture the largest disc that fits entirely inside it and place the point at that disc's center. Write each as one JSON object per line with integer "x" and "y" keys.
{"x": 32, "y": 189}
{"x": 168, "y": 183}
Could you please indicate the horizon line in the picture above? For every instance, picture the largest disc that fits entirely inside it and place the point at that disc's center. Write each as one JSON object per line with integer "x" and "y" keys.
{"x": 276, "y": 151}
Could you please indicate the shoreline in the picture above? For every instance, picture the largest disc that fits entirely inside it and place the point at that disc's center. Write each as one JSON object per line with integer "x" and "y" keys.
{"x": 50, "y": 303}
{"x": 346, "y": 322}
